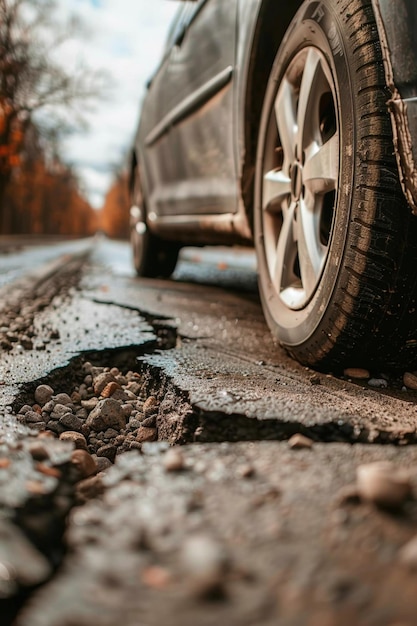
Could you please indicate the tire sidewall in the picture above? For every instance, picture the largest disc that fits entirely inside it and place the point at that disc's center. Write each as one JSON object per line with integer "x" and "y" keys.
{"x": 316, "y": 24}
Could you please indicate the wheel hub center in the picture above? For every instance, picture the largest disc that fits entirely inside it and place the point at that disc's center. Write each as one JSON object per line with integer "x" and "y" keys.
{"x": 296, "y": 180}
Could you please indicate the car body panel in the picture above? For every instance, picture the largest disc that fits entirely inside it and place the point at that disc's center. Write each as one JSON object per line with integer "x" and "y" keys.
{"x": 195, "y": 118}
{"x": 204, "y": 108}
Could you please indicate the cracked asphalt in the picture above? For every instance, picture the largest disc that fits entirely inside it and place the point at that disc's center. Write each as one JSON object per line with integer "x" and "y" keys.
{"x": 238, "y": 528}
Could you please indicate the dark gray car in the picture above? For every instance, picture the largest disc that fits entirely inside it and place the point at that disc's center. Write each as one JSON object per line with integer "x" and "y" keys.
{"x": 292, "y": 125}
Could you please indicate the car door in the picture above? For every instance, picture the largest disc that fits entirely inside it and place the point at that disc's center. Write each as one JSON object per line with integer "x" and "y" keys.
{"x": 189, "y": 150}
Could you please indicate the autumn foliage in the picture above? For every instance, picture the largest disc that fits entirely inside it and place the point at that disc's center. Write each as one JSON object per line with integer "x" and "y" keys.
{"x": 115, "y": 213}
{"x": 43, "y": 198}
{"x": 38, "y": 96}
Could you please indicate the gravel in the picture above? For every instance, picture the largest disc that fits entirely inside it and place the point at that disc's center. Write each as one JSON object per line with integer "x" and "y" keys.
{"x": 105, "y": 413}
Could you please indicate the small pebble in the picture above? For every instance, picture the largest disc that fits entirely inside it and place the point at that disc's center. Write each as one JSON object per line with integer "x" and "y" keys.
{"x": 62, "y": 398}
{"x": 107, "y": 414}
{"x": 149, "y": 406}
{"x": 107, "y": 451}
{"x": 156, "y": 577}
{"x": 299, "y": 442}
{"x": 378, "y": 383}
{"x": 356, "y": 372}
{"x": 79, "y": 441}
{"x": 246, "y": 471}
{"x": 102, "y": 463}
{"x": 101, "y": 381}
{"x": 206, "y": 565}
{"x": 72, "y": 422}
{"x": 383, "y": 484}
{"x": 89, "y": 404}
{"x": 59, "y": 411}
{"x": 146, "y": 434}
{"x": 84, "y": 462}
{"x": 109, "y": 389}
{"x": 38, "y": 451}
{"x": 47, "y": 470}
{"x": 43, "y": 394}
{"x": 410, "y": 380}
{"x": 408, "y": 554}
{"x": 174, "y": 460}
{"x": 36, "y": 487}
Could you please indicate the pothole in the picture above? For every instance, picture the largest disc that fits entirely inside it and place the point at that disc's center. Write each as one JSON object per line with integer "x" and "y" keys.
{"x": 86, "y": 415}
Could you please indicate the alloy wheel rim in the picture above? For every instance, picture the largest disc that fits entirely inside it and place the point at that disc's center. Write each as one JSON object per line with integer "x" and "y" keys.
{"x": 300, "y": 179}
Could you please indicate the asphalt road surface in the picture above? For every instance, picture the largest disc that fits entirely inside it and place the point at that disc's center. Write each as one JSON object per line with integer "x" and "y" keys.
{"x": 187, "y": 499}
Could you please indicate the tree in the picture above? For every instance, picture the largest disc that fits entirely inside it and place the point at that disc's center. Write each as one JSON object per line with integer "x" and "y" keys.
{"x": 115, "y": 212}
{"x": 43, "y": 195}
{"x": 33, "y": 80}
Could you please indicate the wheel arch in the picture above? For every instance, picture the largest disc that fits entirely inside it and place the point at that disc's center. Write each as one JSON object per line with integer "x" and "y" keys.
{"x": 133, "y": 164}
{"x": 258, "y": 52}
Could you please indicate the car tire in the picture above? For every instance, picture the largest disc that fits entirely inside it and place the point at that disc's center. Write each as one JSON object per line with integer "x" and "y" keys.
{"x": 153, "y": 257}
{"x": 335, "y": 238}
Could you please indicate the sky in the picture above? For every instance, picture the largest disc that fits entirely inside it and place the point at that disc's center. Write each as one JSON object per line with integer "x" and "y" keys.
{"x": 126, "y": 39}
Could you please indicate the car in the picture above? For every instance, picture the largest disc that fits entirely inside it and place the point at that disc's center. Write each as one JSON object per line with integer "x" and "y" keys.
{"x": 291, "y": 126}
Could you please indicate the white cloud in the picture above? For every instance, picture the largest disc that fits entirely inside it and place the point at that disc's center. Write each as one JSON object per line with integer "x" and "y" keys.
{"x": 126, "y": 39}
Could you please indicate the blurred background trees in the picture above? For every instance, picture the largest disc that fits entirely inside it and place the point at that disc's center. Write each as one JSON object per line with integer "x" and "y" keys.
{"x": 115, "y": 211}
{"x": 38, "y": 104}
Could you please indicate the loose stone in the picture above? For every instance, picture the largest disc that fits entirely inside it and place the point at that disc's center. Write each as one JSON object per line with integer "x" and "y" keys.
{"x": 149, "y": 422}
{"x": 408, "y": 554}
{"x": 356, "y": 372}
{"x": 38, "y": 451}
{"x": 149, "y": 406}
{"x": 89, "y": 405}
{"x": 299, "y": 441}
{"x": 62, "y": 398}
{"x": 101, "y": 381}
{"x": 378, "y": 383}
{"x": 146, "y": 434}
{"x": 31, "y": 417}
{"x": 108, "y": 451}
{"x": 43, "y": 394}
{"x": 76, "y": 397}
{"x": 71, "y": 421}
{"x": 84, "y": 462}
{"x": 89, "y": 488}
{"x": 109, "y": 389}
{"x": 107, "y": 414}
{"x": 59, "y": 411}
{"x": 102, "y": 462}
{"x": 206, "y": 565}
{"x": 47, "y": 470}
{"x": 246, "y": 471}
{"x": 410, "y": 380}
{"x": 383, "y": 484}
{"x": 79, "y": 441}
{"x": 174, "y": 460}
{"x": 156, "y": 577}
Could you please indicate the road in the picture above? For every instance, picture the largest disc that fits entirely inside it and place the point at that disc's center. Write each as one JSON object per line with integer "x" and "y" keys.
{"x": 234, "y": 523}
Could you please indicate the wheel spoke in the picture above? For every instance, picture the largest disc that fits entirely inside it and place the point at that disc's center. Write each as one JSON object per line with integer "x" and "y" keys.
{"x": 310, "y": 83}
{"x": 320, "y": 174}
{"x": 282, "y": 271}
{"x": 285, "y": 113}
{"x": 276, "y": 188}
{"x": 311, "y": 252}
